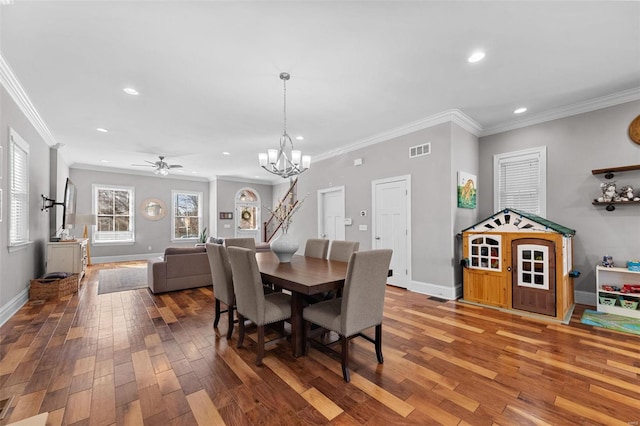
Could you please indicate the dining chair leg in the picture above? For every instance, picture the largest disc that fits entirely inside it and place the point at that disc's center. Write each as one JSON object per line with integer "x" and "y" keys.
{"x": 306, "y": 337}
{"x": 217, "y": 318}
{"x": 240, "y": 329}
{"x": 230, "y": 327}
{"x": 345, "y": 358}
{"x": 379, "y": 343}
{"x": 260, "y": 349}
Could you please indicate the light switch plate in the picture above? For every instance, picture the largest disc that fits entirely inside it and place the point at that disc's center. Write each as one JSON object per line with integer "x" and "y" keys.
{"x": 362, "y": 227}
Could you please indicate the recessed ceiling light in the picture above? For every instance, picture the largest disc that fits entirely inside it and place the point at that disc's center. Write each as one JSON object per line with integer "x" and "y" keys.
{"x": 104, "y": 161}
{"x": 226, "y": 153}
{"x": 299, "y": 138}
{"x": 477, "y": 56}
{"x": 520, "y": 110}
{"x": 131, "y": 91}
{"x": 102, "y": 130}
{"x": 194, "y": 172}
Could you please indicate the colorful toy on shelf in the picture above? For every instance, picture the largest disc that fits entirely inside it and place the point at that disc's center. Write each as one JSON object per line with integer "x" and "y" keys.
{"x": 607, "y": 261}
{"x": 630, "y": 288}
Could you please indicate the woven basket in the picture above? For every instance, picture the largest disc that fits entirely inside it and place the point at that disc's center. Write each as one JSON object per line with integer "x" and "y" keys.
{"x": 41, "y": 289}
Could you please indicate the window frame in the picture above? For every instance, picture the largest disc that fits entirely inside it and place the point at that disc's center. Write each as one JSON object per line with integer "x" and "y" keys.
{"x": 174, "y": 196}
{"x": 18, "y": 144}
{"x": 540, "y": 154}
{"x": 489, "y": 255}
{"x": 132, "y": 214}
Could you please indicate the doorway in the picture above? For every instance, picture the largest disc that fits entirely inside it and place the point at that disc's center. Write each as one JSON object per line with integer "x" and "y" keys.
{"x": 247, "y": 202}
{"x": 533, "y": 282}
{"x": 331, "y": 211}
{"x": 391, "y": 223}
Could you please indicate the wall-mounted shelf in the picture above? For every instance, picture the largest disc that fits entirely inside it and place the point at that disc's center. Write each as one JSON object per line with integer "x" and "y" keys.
{"x": 609, "y": 174}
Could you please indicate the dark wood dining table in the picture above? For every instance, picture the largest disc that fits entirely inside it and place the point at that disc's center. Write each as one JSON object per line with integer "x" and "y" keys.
{"x": 302, "y": 276}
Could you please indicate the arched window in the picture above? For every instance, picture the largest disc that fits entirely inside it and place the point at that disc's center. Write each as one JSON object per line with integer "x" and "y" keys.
{"x": 247, "y": 210}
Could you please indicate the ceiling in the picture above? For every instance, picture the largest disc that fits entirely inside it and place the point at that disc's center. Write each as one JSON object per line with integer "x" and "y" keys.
{"x": 207, "y": 72}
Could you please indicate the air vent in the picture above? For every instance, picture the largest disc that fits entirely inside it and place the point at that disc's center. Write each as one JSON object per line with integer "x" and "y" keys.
{"x": 420, "y": 150}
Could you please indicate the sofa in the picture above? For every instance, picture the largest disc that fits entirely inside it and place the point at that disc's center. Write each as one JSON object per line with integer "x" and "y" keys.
{"x": 180, "y": 268}
{"x": 260, "y": 246}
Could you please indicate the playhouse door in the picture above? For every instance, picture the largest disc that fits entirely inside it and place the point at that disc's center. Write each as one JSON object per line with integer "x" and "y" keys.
{"x": 534, "y": 275}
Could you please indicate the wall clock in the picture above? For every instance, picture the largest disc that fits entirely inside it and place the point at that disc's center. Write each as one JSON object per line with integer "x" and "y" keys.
{"x": 634, "y": 130}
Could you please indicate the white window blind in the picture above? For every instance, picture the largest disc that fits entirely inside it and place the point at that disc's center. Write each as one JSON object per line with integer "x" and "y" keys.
{"x": 520, "y": 181}
{"x": 114, "y": 207}
{"x": 18, "y": 190}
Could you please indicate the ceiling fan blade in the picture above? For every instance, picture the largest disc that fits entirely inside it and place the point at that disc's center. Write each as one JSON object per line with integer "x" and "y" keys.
{"x": 144, "y": 165}
{"x": 153, "y": 163}
{"x": 175, "y": 166}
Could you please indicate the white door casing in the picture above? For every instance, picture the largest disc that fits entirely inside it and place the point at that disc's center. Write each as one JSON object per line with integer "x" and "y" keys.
{"x": 391, "y": 222}
{"x": 247, "y": 201}
{"x": 331, "y": 211}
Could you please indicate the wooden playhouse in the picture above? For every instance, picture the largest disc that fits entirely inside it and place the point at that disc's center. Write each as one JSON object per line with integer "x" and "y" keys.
{"x": 519, "y": 261}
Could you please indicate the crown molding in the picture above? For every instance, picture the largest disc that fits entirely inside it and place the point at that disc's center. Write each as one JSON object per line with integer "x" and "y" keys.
{"x": 567, "y": 111}
{"x": 12, "y": 85}
{"x": 94, "y": 168}
{"x": 242, "y": 180}
{"x": 449, "y": 116}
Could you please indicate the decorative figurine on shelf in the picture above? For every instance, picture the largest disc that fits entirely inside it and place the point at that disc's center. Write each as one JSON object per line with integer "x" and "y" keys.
{"x": 608, "y": 192}
{"x": 607, "y": 261}
{"x": 626, "y": 194}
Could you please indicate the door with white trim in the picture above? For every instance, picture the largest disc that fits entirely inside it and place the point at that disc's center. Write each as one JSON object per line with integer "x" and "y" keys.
{"x": 390, "y": 225}
{"x": 248, "y": 214}
{"x": 331, "y": 208}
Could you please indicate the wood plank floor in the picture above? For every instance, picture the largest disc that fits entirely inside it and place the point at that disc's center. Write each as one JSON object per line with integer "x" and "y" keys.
{"x": 132, "y": 358}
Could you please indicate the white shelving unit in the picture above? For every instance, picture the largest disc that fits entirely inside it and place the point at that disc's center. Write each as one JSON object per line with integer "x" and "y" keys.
{"x": 67, "y": 256}
{"x": 617, "y": 277}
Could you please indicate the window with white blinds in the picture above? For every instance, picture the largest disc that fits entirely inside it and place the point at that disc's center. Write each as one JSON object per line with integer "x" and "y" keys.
{"x": 18, "y": 190}
{"x": 114, "y": 208}
{"x": 520, "y": 181}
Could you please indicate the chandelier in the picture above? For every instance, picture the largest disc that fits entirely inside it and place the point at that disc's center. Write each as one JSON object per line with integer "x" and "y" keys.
{"x": 285, "y": 161}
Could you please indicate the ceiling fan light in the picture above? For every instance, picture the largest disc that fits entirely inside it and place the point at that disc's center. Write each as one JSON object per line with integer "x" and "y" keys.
{"x": 164, "y": 172}
{"x": 156, "y": 171}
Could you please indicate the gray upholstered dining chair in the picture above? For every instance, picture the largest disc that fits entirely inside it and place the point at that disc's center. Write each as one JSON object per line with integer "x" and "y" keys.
{"x": 341, "y": 250}
{"x": 360, "y": 307}
{"x": 249, "y": 243}
{"x": 251, "y": 302}
{"x": 222, "y": 283}
{"x": 316, "y": 247}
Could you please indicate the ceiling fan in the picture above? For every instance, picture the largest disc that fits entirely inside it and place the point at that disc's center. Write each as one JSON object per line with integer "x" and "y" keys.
{"x": 161, "y": 167}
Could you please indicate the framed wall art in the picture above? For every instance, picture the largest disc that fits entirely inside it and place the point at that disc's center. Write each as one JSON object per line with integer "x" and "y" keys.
{"x": 226, "y": 215}
{"x": 466, "y": 190}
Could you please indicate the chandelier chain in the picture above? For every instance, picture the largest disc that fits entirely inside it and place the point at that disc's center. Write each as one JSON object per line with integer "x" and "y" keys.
{"x": 284, "y": 81}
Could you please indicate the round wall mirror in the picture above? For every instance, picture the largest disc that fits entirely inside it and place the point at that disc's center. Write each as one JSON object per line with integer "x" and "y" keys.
{"x": 153, "y": 209}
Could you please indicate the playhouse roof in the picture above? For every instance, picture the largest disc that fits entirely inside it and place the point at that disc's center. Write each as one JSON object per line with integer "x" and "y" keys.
{"x": 523, "y": 222}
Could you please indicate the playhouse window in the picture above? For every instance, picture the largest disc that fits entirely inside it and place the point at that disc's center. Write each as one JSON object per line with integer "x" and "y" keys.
{"x": 533, "y": 266}
{"x": 484, "y": 252}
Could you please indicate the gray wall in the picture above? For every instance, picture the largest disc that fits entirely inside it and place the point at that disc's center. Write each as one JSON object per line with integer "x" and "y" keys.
{"x": 575, "y": 146}
{"x": 464, "y": 157}
{"x": 434, "y": 213}
{"x": 19, "y": 267}
{"x": 149, "y": 233}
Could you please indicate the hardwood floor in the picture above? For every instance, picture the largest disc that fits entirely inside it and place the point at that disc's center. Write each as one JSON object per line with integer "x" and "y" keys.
{"x": 134, "y": 358}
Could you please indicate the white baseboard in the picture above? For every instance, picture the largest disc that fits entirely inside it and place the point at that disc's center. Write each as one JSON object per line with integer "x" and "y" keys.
{"x": 126, "y": 258}
{"x": 585, "y": 297}
{"x": 449, "y": 293}
{"x": 13, "y": 306}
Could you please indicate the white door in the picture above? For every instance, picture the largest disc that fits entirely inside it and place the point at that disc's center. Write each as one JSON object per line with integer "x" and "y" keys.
{"x": 331, "y": 213}
{"x": 248, "y": 214}
{"x": 390, "y": 223}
